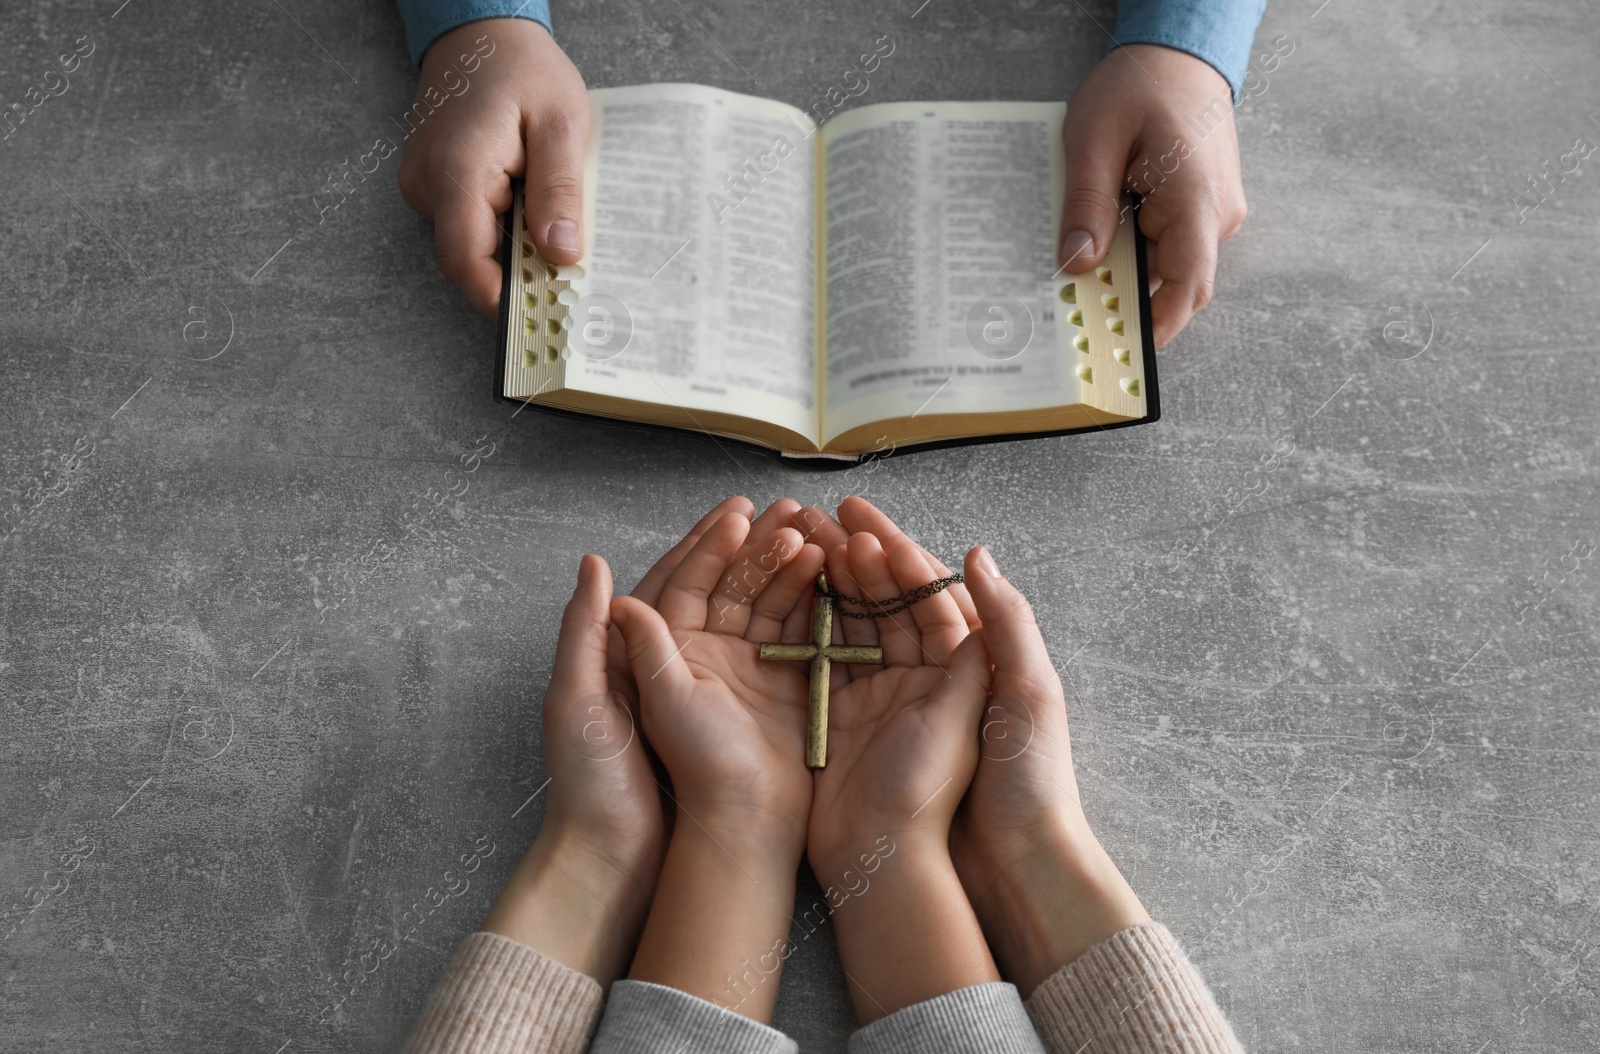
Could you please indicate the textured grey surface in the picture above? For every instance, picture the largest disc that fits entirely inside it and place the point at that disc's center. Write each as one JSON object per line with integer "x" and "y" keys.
{"x": 1314, "y": 729}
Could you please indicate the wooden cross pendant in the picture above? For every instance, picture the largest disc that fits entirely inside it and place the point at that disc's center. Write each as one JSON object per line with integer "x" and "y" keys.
{"x": 822, "y": 654}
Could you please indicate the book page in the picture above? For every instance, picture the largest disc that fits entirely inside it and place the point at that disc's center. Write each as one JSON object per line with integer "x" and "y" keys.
{"x": 939, "y": 281}
{"x": 700, "y": 234}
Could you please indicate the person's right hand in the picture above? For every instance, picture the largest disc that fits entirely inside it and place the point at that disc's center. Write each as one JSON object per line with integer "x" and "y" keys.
{"x": 524, "y": 113}
{"x": 1040, "y": 882}
{"x": 902, "y": 746}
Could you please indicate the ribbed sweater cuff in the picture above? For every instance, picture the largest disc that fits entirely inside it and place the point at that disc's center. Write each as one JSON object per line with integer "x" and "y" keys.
{"x": 980, "y": 1019}
{"x": 499, "y": 996}
{"x": 1135, "y": 992}
{"x": 646, "y": 1018}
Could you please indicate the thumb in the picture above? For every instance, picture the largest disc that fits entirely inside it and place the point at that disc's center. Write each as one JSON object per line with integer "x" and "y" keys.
{"x": 656, "y": 659}
{"x": 1097, "y": 153}
{"x": 580, "y": 668}
{"x": 553, "y": 186}
{"x": 580, "y": 714}
{"x": 969, "y": 674}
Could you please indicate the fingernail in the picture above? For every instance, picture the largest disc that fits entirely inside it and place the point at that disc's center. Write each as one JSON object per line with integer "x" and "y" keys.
{"x": 563, "y": 234}
{"x": 986, "y": 563}
{"x": 1076, "y": 245}
{"x": 584, "y": 573}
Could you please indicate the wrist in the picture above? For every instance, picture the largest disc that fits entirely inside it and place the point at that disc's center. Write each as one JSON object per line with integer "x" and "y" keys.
{"x": 719, "y": 925}
{"x": 466, "y": 48}
{"x": 767, "y": 836}
{"x": 906, "y": 930}
{"x": 1173, "y": 57}
{"x": 833, "y": 848}
{"x": 1053, "y": 902}
{"x": 581, "y": 906}
{"x": 852, "y": 859}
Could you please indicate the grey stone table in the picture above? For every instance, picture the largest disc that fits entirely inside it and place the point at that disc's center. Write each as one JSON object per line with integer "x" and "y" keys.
{"x": 1340, "y": 733}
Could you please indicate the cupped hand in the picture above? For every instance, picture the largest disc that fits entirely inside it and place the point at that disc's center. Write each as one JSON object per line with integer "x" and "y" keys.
{"x": 582, "y": 891}
{"x": 1040, "y": 881}
{"x": 1160, "y": 121}
{"x": 603, "y": 792}
{"x": 857, "y": 515}
{"x": 903, "y": 736}
{"x": 603, "y": 786}
{"x": 1043, "y": 887}
{"x": 523, "y": 112}
{"x": 728, "y": 727}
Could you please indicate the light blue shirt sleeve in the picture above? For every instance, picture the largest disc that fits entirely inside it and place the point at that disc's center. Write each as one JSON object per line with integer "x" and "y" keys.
{"x": 428, "y": 20}
{"x": 1218, "y": 32}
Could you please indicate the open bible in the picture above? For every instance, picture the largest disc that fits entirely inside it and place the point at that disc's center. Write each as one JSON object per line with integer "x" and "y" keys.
{"x": 883, "y": 282}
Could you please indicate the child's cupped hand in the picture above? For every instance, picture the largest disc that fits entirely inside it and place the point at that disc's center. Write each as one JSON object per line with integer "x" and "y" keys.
{"x": 1038, "y": 878}
{"x": 603, "y": 792}
{"x": 903, "y": 736}
{"x": 728, "y": 727}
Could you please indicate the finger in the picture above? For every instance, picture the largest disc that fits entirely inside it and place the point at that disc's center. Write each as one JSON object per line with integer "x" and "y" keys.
{"x": 580, "y": 669}
{"x": 938, "y": 617}
{"x": 736, "y": 589}
{"x": 786, "y": 599}
{"x": 748, "y": 576}
{"x": 685, "y": 598}
{"x": 774, "y": 517}
{"x": 649, "y": 591}
{"x": 898, "y": 634}
{"x": 797, "y": 624}
{"x": 859, "y": 514}
{"x": 654, "y": 656}
{"x": 1021, "y": 661}
{"x": 1185, "y": 254}
{"x": 649, "y": 587}
{"x": 819, "y": 528}
{"x": 848, "y": 630}
{"x": 466, "y": 232}
{"x": 413, "y": 185}
{"x": 553, "y": 185}
{"x": 1098, "y": 148}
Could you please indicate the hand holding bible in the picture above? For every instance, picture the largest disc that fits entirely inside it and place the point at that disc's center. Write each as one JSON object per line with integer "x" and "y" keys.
{"x": 524, "y": 113}
{"x": 1159, "y": 121}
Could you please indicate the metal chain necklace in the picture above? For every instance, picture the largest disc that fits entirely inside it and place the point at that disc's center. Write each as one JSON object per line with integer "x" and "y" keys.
{"x": 893, "y": 605}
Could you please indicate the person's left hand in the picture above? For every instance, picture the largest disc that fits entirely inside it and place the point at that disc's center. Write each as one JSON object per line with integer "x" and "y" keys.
{"x": 1160, "y": 121}
{"x": 583, "y": 889}
{"x": 728, "y": 727}
{"x": 526, "y": 113}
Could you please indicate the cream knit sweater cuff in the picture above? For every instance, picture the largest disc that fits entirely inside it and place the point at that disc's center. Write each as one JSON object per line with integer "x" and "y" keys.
{"x": 499, "y": 996}
{"x": 1135, "y": 992}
